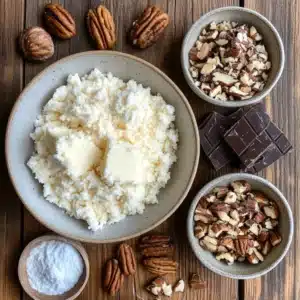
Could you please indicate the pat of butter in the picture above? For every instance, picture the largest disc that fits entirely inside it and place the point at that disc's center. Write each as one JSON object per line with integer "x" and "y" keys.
{"x": 77, "y": 153}
{"x": 124, "y": 163}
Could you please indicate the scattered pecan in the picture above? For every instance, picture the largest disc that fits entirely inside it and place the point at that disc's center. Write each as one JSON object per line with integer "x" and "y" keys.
{"x": 59, "y": 21}
{"x": 113, "y": 278}
{"x": 195, "y": 282}
{"x": 153, "y": 240}
{"x": 160, "y": 265}
{"x": 159, "y": 250}
{"x": 36, "y": 44}
{"x": 127, "y": 259}
{"x": 101, "y": 27}
{"x": 148, "y": 27}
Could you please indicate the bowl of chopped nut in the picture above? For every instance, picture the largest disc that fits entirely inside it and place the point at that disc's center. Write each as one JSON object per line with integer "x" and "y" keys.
{"x": 232, "y": 56}
{"x": 240, "y": 226}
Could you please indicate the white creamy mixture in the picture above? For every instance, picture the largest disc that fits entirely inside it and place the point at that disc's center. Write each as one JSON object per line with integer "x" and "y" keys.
{"x": 103, "y": 148}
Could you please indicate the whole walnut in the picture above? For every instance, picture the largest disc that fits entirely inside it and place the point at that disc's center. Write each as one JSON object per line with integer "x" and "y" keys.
{"x": 36, "y": 44}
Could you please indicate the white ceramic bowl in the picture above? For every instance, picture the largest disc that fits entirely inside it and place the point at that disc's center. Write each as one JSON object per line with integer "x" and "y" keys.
{"x": 272, "y": 41}
{"x": 19, "y": 146}
{"x": 245, "y": 270}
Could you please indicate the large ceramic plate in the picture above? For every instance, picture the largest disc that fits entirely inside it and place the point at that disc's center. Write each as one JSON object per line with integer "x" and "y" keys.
{"x": 19, "y": 146}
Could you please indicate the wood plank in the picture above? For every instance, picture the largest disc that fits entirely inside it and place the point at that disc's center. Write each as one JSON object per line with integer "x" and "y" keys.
{"x": 165, "y": 54}
{"x": 283, "y": 105}
{"x": 11, "y": 76}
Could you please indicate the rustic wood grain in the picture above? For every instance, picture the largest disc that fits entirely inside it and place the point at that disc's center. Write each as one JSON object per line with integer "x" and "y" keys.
{"x": 283, "y": 106}
{"x": 11, "y": 76}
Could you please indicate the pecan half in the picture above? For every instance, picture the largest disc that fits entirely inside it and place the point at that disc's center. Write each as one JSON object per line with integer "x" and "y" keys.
{"x": 160, "y": 265}
{"x": 241, "y": 245}
{"x": 101, "y": 27}
{"x": 59, "y": 21}
{"x": 153, "y": 240}
{"x": 148, "y": 27}
{"x": 159, "y": 250}
{"x": 113, "y": 279}
{"x": 127, "y": 259}
{"x": 195, "y": 282}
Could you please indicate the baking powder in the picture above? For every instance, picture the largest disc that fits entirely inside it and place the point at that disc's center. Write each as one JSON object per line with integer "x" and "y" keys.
{"x": 54, "y": 267}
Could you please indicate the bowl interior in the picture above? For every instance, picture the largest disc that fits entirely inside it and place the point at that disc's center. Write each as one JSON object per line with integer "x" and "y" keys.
{"x": 72, "y": 293}
{"x": 19, "y": 146}
{"x": 243, "y": 16}
{"x": 244, "y": 270}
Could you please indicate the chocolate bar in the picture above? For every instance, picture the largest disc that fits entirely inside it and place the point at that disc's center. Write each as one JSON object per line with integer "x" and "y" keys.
{"x": 279, "y": 147}
{"x": 247, "y": 137}
{"x": 211, "y": 135}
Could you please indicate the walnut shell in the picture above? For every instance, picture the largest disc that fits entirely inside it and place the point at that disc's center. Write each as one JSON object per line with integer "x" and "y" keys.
{"x": 36, "y": 44}
{"x": 59, "y": 21}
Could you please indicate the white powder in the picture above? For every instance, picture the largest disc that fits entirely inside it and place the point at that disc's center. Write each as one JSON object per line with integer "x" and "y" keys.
{"x": 54, "y": 267}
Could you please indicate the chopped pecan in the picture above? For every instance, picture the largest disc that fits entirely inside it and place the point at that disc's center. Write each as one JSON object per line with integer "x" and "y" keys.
{"x": 113, "y": 278}
{"x": 155, "y": 287}
{"x": 228, "y": 257}
{"x": 195, "y": 282}
{"x": 127, "y": 259}
{"x": 271, "y": 211}
{"x": 275, "y": 238}
{"x": 230, "y": 197}
{"x": 59, "y": 21}
{"x": 263, "y": 236}
{"x": 160, "y": 265}
{"x": 259, "y": 217}
{"x": 241, "y": 186}
{"x": 241, "y": 245}
{"x": 203, "y": 215}
{"x": 220, "y": 191}
{"x": 227, "y": 242}
{"x": 148, "y": 27}
{"x": 266, "y": 248}
{"x": 200, "y": 229}
{"x": 101, "y": 27}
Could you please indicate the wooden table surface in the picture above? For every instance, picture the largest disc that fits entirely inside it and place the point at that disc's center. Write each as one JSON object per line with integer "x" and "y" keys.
{"x": 18, "y": 227}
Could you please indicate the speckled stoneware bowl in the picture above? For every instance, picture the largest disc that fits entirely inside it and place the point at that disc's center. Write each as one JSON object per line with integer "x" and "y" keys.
{"x": 245, "y": 270}
{"x": 272, "y": 41}
{"x": 19, "y": 146}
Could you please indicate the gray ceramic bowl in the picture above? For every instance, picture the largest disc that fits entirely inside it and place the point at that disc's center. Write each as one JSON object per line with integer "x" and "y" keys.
{"x": 241, "y": 15}
{"x": 245, "y": 270}
{"x": 19, "y": 146}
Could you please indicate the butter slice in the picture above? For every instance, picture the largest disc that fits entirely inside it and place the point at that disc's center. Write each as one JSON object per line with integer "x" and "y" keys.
{"x": 77, "y": 153}
{"x": 124, "y": 163}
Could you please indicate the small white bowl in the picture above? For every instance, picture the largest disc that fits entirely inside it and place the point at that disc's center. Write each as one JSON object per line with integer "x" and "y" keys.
{"x": 271, "y": 40}
{"x": 75, "y": 291}
{"x": 245, "y": 270}
{"x": 19, "y": 146}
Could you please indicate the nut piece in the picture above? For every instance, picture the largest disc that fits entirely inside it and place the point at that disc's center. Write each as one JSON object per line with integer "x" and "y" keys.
{"x": 159, "y": 251}
{"x": 127, "y": 259}
{"x": 241, "y": 186}
{"x": 155, "y": 287}
{"x": 101, "y": 27}
{"x": 271, "y": 212}
{"x": 147, "y": 29}
{"x": 59, "y": 21}
{"x": 275, "y": 238}
{"x": 241, "y": 245}
{"x": 195, "y": 282}
{"x": 160, "y": 265}
{"x": 36, "y": 44}
{"x": 113, "y": 279}
{"x": 179, "y": 286}
{"x": 153, "y": 240}
{"x": 226, "y": 256}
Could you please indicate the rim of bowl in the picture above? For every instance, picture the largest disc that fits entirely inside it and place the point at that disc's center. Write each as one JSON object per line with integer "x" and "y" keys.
{"x": 159, "y": 72}
{"x": 77, "y": 245}
{"x": 244, "y": 176}
{"x": 256, "y": 98}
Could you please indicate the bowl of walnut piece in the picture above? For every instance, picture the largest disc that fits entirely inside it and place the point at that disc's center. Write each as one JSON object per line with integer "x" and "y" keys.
{"x": 240, "y": 226}
{"x": 232, "y": 57}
